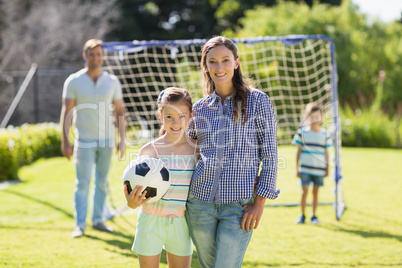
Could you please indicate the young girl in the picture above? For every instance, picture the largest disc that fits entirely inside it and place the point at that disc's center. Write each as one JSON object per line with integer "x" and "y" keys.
{"x": 235, "y": 128}
{"x": 162, "y": 224}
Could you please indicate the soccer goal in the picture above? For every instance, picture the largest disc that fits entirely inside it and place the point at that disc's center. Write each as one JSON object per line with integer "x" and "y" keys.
{"x": 292, "y": 70}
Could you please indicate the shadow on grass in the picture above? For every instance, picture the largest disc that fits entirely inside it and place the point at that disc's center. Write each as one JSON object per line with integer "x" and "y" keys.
{"x": 357, "y": 230}
{"x": 369, "y": 215}
{"x": 366, "y": 231}
{"x": 50, "y": 205}
{"x": 126, "y": 243}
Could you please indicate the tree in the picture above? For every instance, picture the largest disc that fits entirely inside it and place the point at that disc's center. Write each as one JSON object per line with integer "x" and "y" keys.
{"x": 182, "y": 19}
{"x": 362, "y": 50}
{"x": 164, "y": 19}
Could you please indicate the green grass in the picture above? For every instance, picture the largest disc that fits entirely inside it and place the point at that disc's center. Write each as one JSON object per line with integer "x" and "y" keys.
{"x": 36, "y": 219}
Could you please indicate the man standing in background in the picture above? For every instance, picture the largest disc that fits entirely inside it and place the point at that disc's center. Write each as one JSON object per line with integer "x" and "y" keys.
{"x": 93, "y": 103}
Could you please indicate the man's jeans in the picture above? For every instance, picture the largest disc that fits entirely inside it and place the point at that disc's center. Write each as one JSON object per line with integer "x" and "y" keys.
{"x": 89, "y": 156}
{"x": 216, "y": 232}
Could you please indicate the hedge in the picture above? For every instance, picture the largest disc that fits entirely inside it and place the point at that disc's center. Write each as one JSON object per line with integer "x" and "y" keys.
{"x": 368, "y": 128}
{"x": 22, "y": 145}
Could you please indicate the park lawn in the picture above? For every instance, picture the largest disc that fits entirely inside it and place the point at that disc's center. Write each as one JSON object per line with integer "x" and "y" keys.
{"x": 36, "y": 219}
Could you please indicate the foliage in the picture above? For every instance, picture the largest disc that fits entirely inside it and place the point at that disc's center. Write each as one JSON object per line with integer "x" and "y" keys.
{"x": 359, "y": 46}
{"x": 164, "y": 20}
{"x": 23, "y": 145}
{"x": 393, "y": 66}
{"x": 182, "y": 19}
{"x": 8, "y": 161}
{"x": 40, "y": 210}
{"x": 368, "y": 128}
{"x": 37, "y": 141}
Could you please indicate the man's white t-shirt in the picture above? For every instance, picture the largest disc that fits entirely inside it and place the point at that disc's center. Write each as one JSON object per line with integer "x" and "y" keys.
{"x": 93, "y": 114}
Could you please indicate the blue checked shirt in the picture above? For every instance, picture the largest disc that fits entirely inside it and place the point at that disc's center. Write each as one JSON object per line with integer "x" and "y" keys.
{"x": 231, "y": 153}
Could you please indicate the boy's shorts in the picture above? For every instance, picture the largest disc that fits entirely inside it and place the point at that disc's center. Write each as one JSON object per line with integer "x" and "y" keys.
{"x": 307, "y": 179}
{"x": 154, "y": 233}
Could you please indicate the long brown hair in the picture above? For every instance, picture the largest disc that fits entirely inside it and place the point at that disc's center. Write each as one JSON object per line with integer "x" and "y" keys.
{"x": 240, "y": 83}
{"x": 170, "y": 96}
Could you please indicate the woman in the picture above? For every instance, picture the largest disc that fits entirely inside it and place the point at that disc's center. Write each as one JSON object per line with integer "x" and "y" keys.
{"x": 235, "y": 128}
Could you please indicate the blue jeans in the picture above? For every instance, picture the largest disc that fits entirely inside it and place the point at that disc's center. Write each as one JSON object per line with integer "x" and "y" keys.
{"x": 216, "y": 232}
{"x": 86, "y": 158}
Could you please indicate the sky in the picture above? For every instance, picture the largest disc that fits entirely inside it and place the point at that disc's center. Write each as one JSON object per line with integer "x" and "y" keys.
{"x": 386, "y": 10}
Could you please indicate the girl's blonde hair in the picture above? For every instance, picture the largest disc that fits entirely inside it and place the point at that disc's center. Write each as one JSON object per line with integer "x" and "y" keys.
{"x": 240, "y": 83}
{"x": 170, "y": 96}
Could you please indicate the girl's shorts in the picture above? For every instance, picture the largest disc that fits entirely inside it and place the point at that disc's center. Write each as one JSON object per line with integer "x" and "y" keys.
{"x": 307, "y": 179}
{"x": 155, "y": 233}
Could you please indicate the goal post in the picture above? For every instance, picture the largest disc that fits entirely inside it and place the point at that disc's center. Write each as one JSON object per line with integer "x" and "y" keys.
{"x": 292, "y": 70}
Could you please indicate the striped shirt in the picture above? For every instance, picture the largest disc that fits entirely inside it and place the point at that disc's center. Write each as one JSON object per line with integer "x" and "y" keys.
{"x": 173, "y": 203}
{"x": 314, "y": 146}
{"x": 231, "y": 153}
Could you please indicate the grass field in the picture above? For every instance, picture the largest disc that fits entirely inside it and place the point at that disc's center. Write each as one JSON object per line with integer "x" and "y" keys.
{"x": 36, "y": 219}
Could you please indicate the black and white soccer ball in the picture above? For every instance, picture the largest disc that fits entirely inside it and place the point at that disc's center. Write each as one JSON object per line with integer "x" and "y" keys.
{"x": 150, "y": 173}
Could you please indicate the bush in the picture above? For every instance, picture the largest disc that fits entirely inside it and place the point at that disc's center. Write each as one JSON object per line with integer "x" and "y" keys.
{"x": 36, "y": 141}
{"x": 23, "y": 145}
{"x": 8, "y": 161}
{"x": 368, "y": 128}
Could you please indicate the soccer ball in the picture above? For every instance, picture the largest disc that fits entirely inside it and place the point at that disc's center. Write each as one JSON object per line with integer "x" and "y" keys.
{"x": 150, "y": 173}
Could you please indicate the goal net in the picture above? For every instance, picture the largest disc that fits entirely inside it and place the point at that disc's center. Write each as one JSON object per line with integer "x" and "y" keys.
{"x": 292, "y": 70}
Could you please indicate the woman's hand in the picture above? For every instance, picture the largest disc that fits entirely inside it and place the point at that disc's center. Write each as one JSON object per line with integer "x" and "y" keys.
{"x": 136, "y": 198}
{"x": 253, "y": 213}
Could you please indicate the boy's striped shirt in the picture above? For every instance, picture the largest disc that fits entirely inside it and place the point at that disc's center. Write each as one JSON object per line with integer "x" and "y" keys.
{"x": 314, "y": 145}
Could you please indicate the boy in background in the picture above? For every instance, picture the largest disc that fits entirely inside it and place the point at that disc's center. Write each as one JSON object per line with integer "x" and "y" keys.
{"x": 312, "y": 141}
